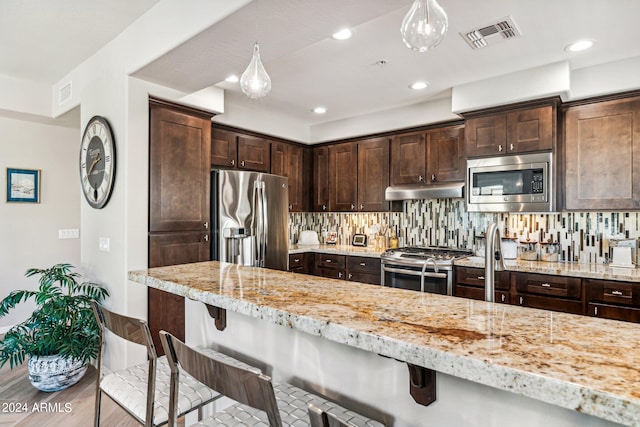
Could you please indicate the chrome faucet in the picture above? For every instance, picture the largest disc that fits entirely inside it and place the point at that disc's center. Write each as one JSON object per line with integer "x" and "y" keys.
{"x": 492, "y": 254}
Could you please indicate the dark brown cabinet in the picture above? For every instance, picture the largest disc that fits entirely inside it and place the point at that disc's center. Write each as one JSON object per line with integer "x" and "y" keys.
{"x": 320, "y": 179}
{"x": 231, "y": 149}
{"x": 364, "y": 269}
{"x": 446, "y": 155}
{"x": 373, "y": 174}
{"x": 343, "y": 174}
{"x": 511, "y": 132}
{"x": 300, "y": 263}
{"x": 470, "y": 283}
{"x": 602, "y": 155}
{"x": 289, "y": 160}
{"x": 612, "y": 299}
{"x": 558, "y": 293}
{"x": 408, "y": 158}
{"x": 436, "y": 155}
{"x": 179, "y": 183}
{"x": 330, "y": 265}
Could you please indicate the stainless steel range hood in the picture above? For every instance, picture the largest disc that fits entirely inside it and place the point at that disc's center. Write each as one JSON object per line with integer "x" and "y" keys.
{"x": 441, "y": 190}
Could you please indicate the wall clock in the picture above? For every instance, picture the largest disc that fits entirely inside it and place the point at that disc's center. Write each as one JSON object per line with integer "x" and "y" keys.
{"x": 97, "y": 162}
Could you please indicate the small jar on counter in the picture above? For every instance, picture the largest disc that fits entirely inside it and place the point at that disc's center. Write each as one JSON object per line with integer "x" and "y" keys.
{"x": 550, "y": 251}
{"x": 528, "y": 250}
{"x": 478, "y": 245}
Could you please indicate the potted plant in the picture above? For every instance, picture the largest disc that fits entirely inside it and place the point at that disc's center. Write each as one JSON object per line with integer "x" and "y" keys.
{"x": 62, "y": 336}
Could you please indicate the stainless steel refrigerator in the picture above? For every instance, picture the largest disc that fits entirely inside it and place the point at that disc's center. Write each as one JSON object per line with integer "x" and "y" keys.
{"x": 252, "y": 217}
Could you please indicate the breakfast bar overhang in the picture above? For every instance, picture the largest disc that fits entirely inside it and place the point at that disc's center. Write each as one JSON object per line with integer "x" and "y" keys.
{"x": 496, "y": 364}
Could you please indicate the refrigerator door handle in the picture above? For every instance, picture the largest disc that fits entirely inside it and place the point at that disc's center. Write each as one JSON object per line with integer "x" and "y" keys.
{"x": 256, "y": 223}
{"x": 265, "y": 222}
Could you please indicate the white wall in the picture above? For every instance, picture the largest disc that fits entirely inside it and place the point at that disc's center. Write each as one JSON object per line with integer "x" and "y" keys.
{"x": 29, "y": 232}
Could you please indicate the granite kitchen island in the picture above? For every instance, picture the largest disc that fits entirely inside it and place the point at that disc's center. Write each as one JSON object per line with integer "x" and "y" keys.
{"x": 502, "y": 364}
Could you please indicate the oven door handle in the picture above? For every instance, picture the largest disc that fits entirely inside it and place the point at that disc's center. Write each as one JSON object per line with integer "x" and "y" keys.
{"x": 414, "y": 272}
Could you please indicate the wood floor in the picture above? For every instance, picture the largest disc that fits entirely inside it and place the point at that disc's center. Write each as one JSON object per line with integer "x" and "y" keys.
{"x": 22, "y": 405}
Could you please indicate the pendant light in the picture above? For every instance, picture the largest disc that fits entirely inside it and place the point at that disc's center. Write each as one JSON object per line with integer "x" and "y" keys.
{"x": 255, "y": 82}
{"x": 424, "y": 26}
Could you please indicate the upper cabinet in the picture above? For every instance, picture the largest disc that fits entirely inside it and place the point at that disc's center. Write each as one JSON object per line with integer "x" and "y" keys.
{"x": 373, "y": 174}
{"x": 602, "y": 155}
{"x": 436, "y": 155}
{"x": 231, "y": 149}
{"x": 516, "y": 131}
{"x": 320, "y": 179}
{"x": 289, "y": 160}
{"x": 343, "y": 174}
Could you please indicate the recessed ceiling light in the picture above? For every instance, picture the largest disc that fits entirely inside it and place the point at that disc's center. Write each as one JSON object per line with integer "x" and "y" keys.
{"x": 319, "y": 110}
{"x": 419, "y": 85}
{"x": 343, "y": 34}
{"x": 579, "y": 45}
{"x": 232, "y": 79}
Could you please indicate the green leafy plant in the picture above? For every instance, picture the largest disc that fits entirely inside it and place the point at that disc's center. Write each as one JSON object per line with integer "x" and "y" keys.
{"x": 63, "y": 322}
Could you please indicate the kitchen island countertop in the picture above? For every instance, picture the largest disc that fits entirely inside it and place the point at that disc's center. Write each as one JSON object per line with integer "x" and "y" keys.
{"x": 582, "y": 363}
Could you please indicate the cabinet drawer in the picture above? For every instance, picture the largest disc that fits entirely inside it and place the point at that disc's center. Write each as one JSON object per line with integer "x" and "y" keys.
{"x": 607, "y": 311}
{"x": 296, "y": 261}
{"x": 330, "y": 261}
{"x": 372, "y": 279}
{"x": 475, "y": 277}
{"x": 558, "y": 286}
{"x": 364, "y": 265}
{"x": 476, "y": 293}
{"x": 608, "y": 291}
{"x": 548, "y": 303}
{"x": 332, "y": 273}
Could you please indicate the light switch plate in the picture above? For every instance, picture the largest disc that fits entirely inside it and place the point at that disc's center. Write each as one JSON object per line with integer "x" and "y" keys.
{"x": 104, "y": 244}
{"x": 70, "y": 233}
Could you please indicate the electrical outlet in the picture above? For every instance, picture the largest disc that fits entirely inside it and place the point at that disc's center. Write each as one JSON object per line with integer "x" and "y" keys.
{"x": 71, "y": 233}
{"x": 104, "y": 244}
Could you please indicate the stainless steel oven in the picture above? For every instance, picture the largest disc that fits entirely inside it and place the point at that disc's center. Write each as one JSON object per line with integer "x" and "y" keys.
{"x": 426, "y": 269}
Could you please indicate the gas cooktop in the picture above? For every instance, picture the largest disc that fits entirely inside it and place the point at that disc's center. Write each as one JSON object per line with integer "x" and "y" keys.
{"x": 442, "y": 255}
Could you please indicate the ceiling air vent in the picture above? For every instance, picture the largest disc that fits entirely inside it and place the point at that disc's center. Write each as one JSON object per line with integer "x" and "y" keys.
{"x": 504, "y": 29}
{"x": 64, "y": 93}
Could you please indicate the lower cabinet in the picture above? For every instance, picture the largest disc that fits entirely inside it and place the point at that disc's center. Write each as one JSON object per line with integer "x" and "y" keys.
{"x": 330, "y": 265}
{"x": 301, "y": 263}
{"x": 612, "y": 300}
{"x": 557, "y": 293}
{"x": 364, "y": 269}
{"x": 353, "y": 268}
{"x": 469, "y": 283}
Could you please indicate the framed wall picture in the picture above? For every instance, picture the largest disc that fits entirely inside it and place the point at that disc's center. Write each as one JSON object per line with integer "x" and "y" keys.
{"x": 23, "y": 185}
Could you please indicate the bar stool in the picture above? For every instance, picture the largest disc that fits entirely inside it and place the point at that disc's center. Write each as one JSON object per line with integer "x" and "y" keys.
{"x": 320, "y": 418}
{"x": 259, "y": 401}
{"x": 141, "y": 390}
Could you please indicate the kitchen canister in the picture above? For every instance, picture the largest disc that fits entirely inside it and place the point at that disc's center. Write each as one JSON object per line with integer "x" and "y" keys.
{"x": 509, "y": 248}
{"x": 528, "y": 250}
{"x": 550, "y": 251}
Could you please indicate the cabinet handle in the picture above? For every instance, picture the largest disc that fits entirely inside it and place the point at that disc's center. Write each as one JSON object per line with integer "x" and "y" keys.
{"x": 353, "y": 206}
{"x": 521, "y": 300}
{"x": 500, "y": 147}
{"x": 206, "y": 237}
{"x": 296, "y": 260}
{"x": 206, "y": 225}
{"x": 433, "y": 177}
{"x": 324, "y": 207}
{"x": 420, "y": 178}
{"x": 511, "y": 147}
{"x": 502, "y": 297}
{"x": 361, "y": 206}
{"x": 595, "y": 311}
{"x": 242, "y": 163}
{"x": 290, "y": 207}
{"x": 545, "y": 285}
{"x": 350, "y": 275}
{"x": 362, "y": 264}
{"x": 480, "y": 277}
{"x": 233, "y": 162}
{"x": 327, "y": 260}
{"x": 617, "y": 293}
{"x": 340, "y": 275}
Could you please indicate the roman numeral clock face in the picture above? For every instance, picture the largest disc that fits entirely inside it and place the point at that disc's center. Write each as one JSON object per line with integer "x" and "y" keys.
{"x": 97, "y": 162}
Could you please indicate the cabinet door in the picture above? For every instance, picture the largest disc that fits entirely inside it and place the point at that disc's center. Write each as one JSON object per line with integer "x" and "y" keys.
{"x": 373, "y": 174}
{"x": 602, "y": 155}
{"x": 343, "y": 185}
{"x": 224, "y": 146}
{"x": 446, "y": 155}
{"x": 296, "y": 178}
{"x": 254, "y": 154}
{"x": 320, "y": 179}
{"x": 530, "y": 130}
{"x": 408, "y": 158}
{"x": 280, "y": 158}
{"x": 179, "y": 171}
{"x": 486, "y": 136}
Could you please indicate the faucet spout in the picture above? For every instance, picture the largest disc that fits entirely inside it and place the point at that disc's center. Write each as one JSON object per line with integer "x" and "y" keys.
{"x": 493, "y": 253}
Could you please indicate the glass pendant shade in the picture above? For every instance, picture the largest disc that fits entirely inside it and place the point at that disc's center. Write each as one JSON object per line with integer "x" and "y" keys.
{"x": 255, "y": 82}
{"x": 424, "y": 26}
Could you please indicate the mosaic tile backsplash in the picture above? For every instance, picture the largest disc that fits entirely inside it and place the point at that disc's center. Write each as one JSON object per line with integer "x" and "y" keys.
{"x": 583, "y": 236}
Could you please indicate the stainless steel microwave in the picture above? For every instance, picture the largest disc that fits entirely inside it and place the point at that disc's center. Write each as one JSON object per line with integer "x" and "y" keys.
{"x": 521, "y": 183}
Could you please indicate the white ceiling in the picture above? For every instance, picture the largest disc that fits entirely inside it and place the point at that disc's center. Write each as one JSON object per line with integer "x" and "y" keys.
{"x": 43, "y": 40}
